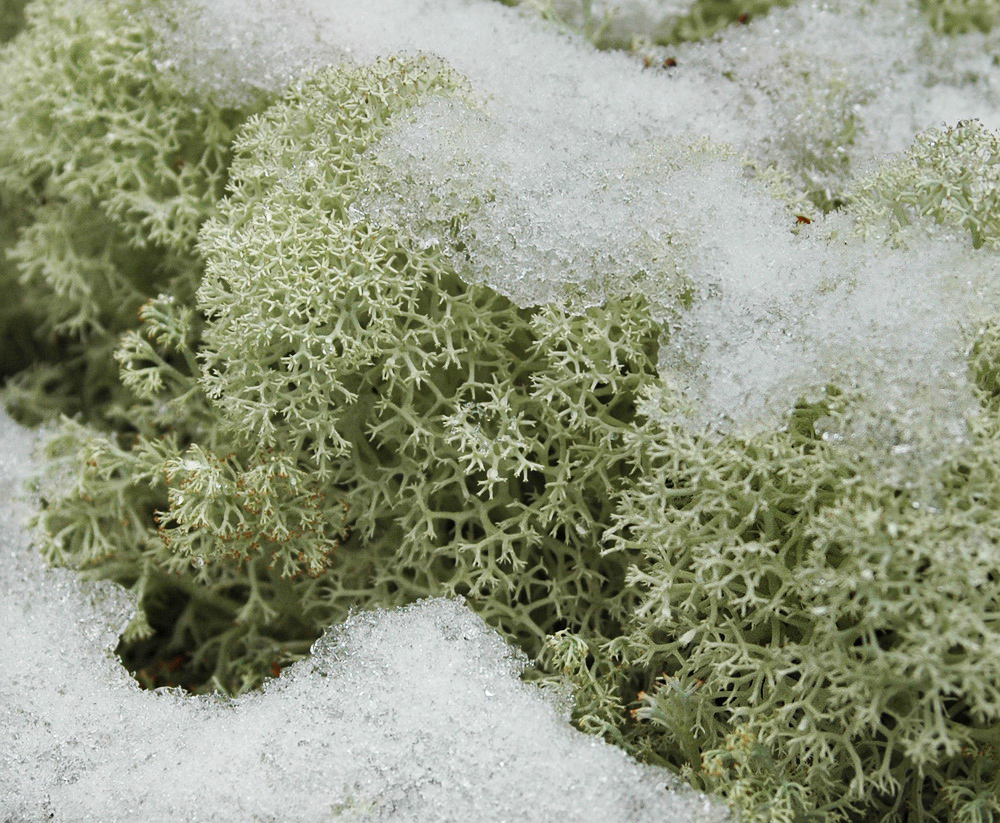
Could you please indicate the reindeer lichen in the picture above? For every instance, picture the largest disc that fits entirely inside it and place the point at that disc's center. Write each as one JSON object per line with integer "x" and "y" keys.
{"x": 950, "y": 176}
{"x": 289, "y": 410}
{"x": 844, "y": 624}
{"x": 351, "y": 424}
{"x": 107, "y": 170}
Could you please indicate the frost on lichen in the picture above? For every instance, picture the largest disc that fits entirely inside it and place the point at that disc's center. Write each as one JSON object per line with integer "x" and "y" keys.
{"x": 818, "y": 106}
{"x": 638, "y": 24}
{"x": 822, "y": 622}
{"x": 225, "y": 66}
{"x": 336, "y": 416}
{"x": 706, "y": 17}
{"x": 539, "y": 223}
{"x": 622, "y": 25}
{"x": 107, "y": 170}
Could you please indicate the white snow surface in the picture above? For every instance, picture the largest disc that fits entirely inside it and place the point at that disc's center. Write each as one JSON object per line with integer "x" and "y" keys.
{"x": 580, "y": 175}
{"x": 411, "y": 715}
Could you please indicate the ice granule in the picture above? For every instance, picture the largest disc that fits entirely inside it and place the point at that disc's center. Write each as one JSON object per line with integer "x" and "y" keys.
{"x": 411, "y": 715}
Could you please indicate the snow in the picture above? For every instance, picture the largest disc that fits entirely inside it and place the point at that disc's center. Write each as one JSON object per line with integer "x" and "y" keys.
{"x": 413, "y": 715}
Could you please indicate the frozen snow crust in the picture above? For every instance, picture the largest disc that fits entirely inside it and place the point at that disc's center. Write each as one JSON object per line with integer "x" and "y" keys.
{"x": 659, "y": 360}
{"x": 413, "y": 715}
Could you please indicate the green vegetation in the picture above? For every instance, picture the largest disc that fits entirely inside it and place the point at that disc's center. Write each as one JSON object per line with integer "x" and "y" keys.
{"x": 346, "y": 423}
{"x": 839, "y": 622}
{"x": 701, "y": 20}
{"x": 704, "y": 18}
{"x": 283, "y": 412}
{"x": 11, "y": 18}
{"x": 960, "y": 16}
{"x": 106, "y": 173}
{"x": 950, "y": 176}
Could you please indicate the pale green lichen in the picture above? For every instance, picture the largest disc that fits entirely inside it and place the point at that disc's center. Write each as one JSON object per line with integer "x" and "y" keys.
{"x": 318, "y": 414}
{"x": 11, "y": 18}
{"x": 950, "y": 176}
{"x": 706, "y": 17}
{"x": 353, "y": 412}
{"x": 109, "y": 170}
{"x": 701, "y": 19}
{"x": 603, "y": 27}
{"x": 843, "y": 624}
{"x": 961, "y": 16}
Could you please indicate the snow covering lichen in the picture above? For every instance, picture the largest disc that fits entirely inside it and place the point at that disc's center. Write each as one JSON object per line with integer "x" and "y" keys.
{"x": 679, "y": 366}
{"x": 412, "y": 715}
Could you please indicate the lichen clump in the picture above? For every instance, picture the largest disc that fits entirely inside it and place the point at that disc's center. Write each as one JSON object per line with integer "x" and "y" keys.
{"x": 106, "y": 172}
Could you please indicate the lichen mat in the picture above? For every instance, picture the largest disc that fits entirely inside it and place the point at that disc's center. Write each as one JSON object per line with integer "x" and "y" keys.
{"x": 676, "y": 362}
